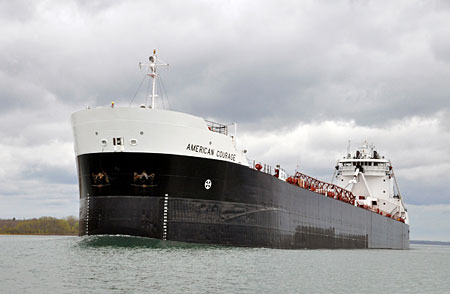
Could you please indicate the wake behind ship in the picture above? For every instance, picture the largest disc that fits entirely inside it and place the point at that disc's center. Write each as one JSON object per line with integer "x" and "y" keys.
{"x": 168, "y": 175}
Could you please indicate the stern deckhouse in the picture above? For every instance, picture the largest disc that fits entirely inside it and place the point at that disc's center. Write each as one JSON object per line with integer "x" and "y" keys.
{"x": 370, "y": 177}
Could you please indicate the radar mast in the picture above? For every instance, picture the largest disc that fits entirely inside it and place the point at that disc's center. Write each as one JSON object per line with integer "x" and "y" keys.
{"x": 152, "y": 71}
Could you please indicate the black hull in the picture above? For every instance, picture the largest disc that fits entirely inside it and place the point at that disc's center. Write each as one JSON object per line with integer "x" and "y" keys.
{"x": 243, "y": 207}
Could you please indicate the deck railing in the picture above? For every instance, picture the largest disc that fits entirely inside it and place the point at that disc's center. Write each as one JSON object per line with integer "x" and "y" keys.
{"x": 217, "y": 127}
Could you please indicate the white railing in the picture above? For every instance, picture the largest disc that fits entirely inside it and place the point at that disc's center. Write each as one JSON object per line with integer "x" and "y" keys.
{"x": 216, "y": 127}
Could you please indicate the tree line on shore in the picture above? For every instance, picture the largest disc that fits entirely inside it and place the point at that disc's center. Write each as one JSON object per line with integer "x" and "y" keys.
{"x": 40, "y": 226}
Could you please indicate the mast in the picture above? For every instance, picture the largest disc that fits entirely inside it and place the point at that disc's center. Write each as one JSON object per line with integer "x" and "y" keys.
{"x": 348, "y": 149}
{"x": 152, "y": 69}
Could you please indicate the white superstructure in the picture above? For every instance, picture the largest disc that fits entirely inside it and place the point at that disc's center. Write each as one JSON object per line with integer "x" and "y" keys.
{"x": 148, "y": 129}
{"x": 370, "y": 177}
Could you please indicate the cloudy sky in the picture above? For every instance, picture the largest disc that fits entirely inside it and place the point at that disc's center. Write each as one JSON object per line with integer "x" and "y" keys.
{"x": 300, "y": 78}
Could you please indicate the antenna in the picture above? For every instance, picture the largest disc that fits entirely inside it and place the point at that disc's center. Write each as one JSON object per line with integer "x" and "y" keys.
{"x": 152, "y": 71}
{"x": 348, "y": 149}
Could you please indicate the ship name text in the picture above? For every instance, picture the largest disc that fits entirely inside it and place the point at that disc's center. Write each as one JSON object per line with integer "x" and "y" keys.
{"x": 210, "y": 151}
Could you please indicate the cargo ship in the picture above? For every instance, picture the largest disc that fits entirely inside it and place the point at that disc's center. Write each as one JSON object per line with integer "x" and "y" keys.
{"x": 150, "y": 172}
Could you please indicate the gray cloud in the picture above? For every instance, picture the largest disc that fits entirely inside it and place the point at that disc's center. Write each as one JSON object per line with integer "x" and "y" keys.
{"x": 368, "y": 62}
{"x": 17, "y": 11}
{"x": 444, "y": 119}
{"x": 431, "y": 222}
{"x": 370, "y": 69}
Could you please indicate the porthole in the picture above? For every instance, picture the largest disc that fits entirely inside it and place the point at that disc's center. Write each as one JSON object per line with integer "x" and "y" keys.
{"x": 141, "y": 133}
{"x": 104, "y": 142}
{"x": 384, "y": 191}
{"x": 96, "y": 133}
{"x": 133, "y": 142}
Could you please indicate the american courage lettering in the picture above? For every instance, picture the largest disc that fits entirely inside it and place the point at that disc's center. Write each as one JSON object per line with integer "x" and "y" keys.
{"x": 211, "y": 151}
{"x": 200, "y": 149}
